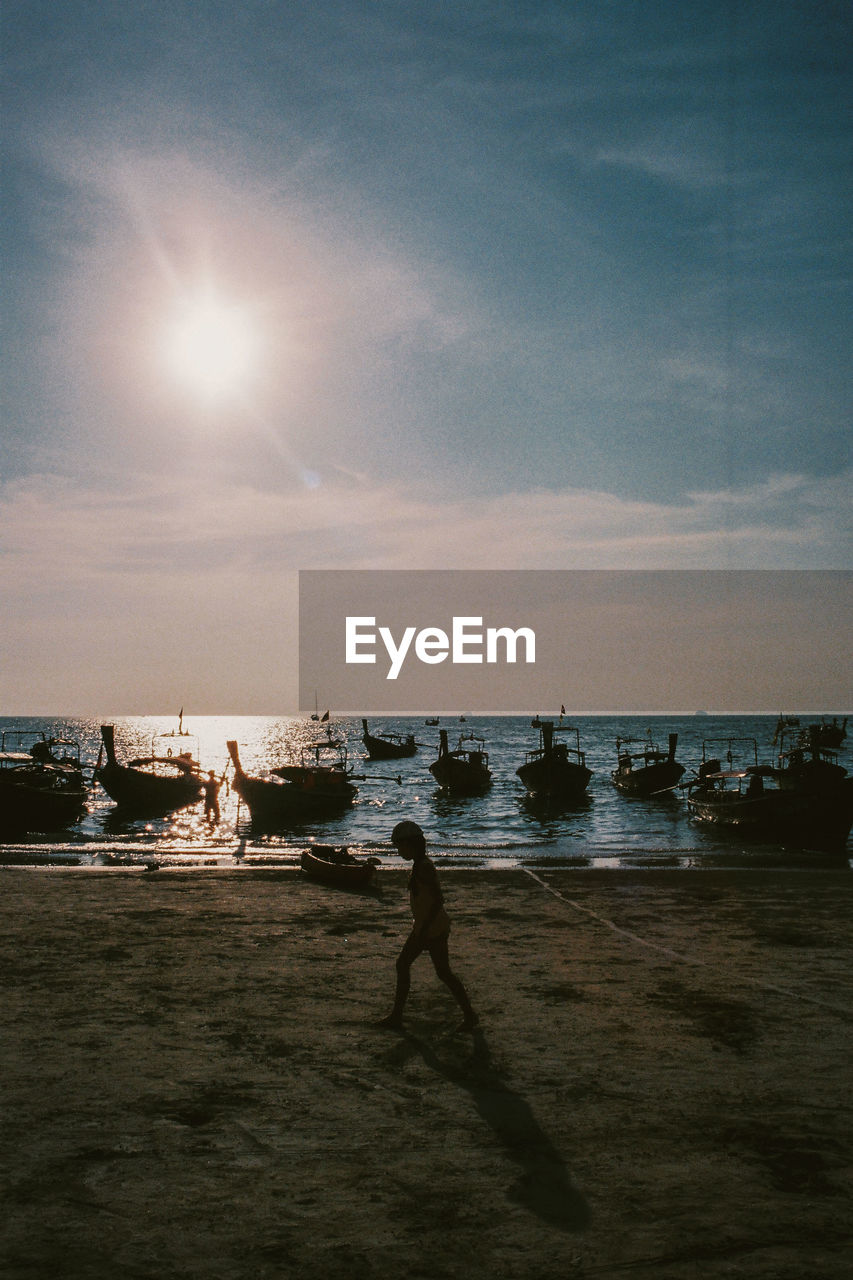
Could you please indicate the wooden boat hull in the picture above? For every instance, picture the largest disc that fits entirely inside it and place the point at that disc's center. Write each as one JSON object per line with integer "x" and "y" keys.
{"x": 460, "y": 776}
{"x": 139, "y": 791}
{"x": 337, "y": 867}
{"x": 648, "y": 771}
{"x": 552, "y": 778}
{"x": 378, "y": 749}
{"x": 464, "y": 771}
{"x": 648, "y": 780}
{"x": 787, "y": 817}
{"x": 555, "y": 772}
{"x": 281, "y": 804}
{"x": 388, "y": 748}
{"x": 770, "y": 812}
{"x": 41, "y": 782}
{"x": 150, "y": 786}
{"x": 317, "y": 786}
{"x": 275, "y": 804}
{"x": 39, "y": 800}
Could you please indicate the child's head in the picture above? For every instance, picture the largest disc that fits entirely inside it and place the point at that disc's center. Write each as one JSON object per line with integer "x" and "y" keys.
{"x": 408, "y": 840}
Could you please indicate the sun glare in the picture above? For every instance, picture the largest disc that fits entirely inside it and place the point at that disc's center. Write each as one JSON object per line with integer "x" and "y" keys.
{"x": 211, "y": 347}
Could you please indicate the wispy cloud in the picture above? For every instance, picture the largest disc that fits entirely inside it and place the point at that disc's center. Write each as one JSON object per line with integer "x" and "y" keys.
{"x": 686, "y": 152}
{"x": 60, "y": 531}
{"x": 124, "y": 598}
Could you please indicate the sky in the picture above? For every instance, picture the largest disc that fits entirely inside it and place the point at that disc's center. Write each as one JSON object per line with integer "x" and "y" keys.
{"x": 394, "y": 285}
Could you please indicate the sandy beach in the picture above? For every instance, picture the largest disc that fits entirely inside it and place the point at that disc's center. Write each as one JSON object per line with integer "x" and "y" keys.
{"x": 194, "y": 1084}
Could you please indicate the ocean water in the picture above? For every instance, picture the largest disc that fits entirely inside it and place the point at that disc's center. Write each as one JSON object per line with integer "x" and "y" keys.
{"x": 498, "y": 829}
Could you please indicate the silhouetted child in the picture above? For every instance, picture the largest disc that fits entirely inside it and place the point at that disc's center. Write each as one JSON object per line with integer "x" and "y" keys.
{"x": 431, "y": 927}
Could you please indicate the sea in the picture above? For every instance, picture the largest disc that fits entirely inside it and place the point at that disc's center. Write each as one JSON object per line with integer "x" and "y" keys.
{"x": 499, "y": 829}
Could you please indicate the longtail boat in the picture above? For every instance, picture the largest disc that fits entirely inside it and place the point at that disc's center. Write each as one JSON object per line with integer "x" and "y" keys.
{"x": 648, "y": 771}
{"x": 319, "y": 783}
{"x": 464, "y": 771}
{"x": 41, "y": 784}
{"x": 388, "y": 746}
{"x": 554, "y": 770}
{"x": 169, "y": 778}
{"x": 798, "y": 802}
{"x": 813, "y": 772}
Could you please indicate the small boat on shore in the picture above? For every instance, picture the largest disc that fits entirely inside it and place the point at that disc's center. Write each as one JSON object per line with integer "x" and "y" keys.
{"x": 319, "y": 784}
{"x": 464, "y": 771}
{"x": 555, "y": 771}
{"x": 167, "y": 779}
{"x": 388, "y": 746}
{"x": 337, "y": 866}
{"x": 648, "y": 771}
{"x": 41, "y": 782}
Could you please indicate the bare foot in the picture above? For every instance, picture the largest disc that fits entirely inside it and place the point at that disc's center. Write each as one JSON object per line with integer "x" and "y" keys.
{"x": 392, "y": 1021}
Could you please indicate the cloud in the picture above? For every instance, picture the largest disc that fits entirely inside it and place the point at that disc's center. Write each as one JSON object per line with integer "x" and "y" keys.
{"x": 62, "y": 532}
{"x": 131, "y": 598}
{"x": 685, "y": 152}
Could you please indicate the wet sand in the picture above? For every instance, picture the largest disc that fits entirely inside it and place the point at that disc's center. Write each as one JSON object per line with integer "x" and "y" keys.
{"x": 193, "y": 1084}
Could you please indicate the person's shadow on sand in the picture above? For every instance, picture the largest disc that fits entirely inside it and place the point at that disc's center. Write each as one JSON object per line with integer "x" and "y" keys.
{"x": 545, "y": 1186}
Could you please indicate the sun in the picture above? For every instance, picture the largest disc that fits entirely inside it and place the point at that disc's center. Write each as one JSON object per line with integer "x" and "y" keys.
{"x": 210, "y": 345}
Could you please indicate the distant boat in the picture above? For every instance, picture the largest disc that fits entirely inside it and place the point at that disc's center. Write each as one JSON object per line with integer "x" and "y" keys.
{"x": 432, "y": 722}
{"x": 167, "y": 779}
{"x": 388, "y": 746}
{"x": 315, "y": 715}
{"x": 537, "y": 721}
{"x": 648, "y": 771}
{"x": 41, "y": 782}
{"x": 338, "y": 867}
{"x": 464, "y": 771}
{"x": 320, "y": 783}
{"x": 554, "y": 770}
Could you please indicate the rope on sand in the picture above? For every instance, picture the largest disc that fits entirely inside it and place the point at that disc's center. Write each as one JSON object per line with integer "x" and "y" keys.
{"x": 679, "y": 955}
